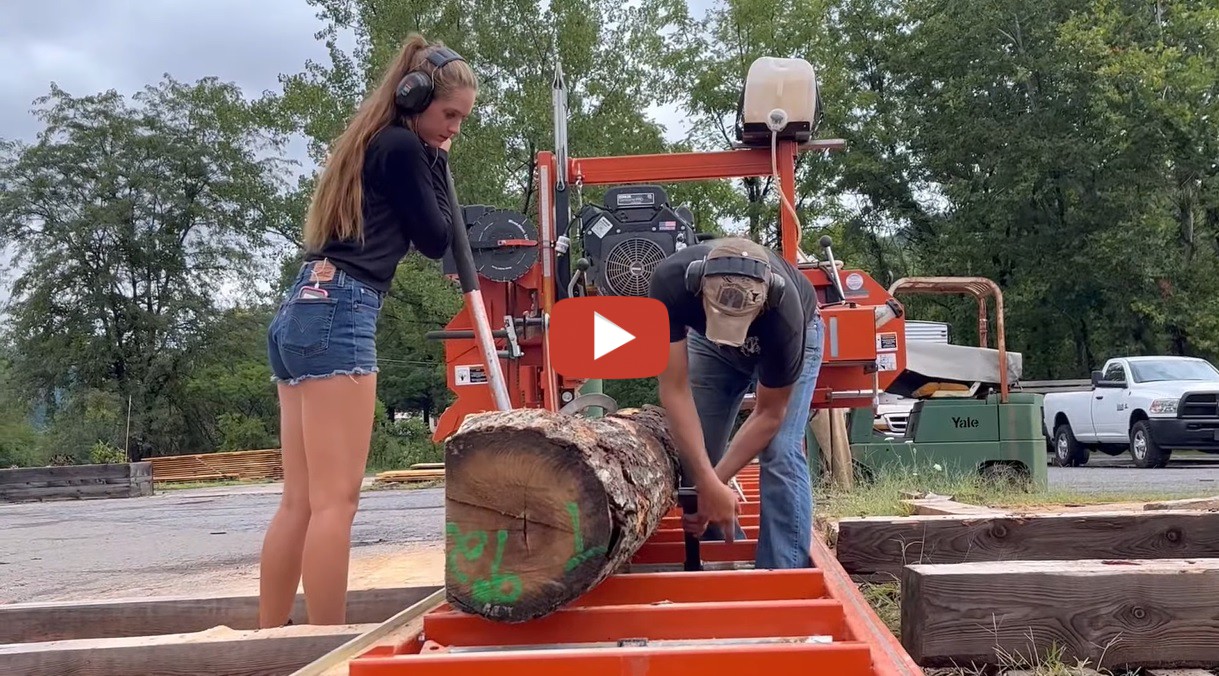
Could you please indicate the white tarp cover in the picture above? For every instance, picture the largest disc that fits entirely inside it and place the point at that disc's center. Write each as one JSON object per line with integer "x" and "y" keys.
{"x": 960, "y": 363}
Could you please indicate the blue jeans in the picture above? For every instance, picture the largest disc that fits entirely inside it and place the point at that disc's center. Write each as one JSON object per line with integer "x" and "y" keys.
{"x": 719, "y": 379}
{"x": 334, "y": 334}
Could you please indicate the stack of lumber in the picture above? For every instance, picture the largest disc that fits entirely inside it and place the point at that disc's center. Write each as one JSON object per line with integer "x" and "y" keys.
{"x": 1115, "y": 589}
{"x": 76, "y": 482}
{"x": 418, "y": 472}
{"x": 247, "y": 465}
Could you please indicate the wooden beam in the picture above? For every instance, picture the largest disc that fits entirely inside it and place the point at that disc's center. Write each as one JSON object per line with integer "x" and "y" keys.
{"x": 76, "y": 482}
{"x": 25, "y": 622}
{"x": 397, "y": 630}
{"x": 886, "y": 544}
{"x": 1112, "y": 613}
{"x": 1187, "y": 503}
{"x": 220, "y": 650}
{"x": 948, "y": 506}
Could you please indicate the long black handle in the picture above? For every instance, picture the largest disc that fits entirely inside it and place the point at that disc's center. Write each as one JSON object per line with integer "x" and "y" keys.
{"x": 463, "y": 255}
{"x": 688, "y": 499}
{"x": 467, "y": 274}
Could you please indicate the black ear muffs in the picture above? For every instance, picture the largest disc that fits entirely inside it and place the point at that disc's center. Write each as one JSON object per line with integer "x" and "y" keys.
{"x": 414, "y": 92}
{"x": 775, "y": 282}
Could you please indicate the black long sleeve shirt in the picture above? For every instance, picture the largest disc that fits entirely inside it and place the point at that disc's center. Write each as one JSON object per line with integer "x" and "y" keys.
{"x": 405, "y": 203}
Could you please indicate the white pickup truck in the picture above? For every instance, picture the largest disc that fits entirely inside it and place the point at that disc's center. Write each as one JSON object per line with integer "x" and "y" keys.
{"x": 1151, "y": 405}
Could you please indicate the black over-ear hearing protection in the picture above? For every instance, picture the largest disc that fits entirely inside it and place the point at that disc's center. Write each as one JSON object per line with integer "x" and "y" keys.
{"x": 414, "y": 92}
{"x": 736, "y": 265}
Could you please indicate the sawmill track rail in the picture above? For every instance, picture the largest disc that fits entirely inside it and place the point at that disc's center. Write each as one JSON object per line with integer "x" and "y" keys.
{"x": 726, "y": 619}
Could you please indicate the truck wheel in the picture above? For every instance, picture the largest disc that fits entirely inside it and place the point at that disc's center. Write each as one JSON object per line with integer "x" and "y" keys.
{"x": 1143, "y": 448}
{"x": 1067, "y": 451}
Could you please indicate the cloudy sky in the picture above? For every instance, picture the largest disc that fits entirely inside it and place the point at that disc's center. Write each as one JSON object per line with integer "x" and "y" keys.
{"x": 86, "y": 46}
{"x": 89, "y": 46}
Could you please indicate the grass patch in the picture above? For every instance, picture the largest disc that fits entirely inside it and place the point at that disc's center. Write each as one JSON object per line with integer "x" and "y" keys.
{"x": 883, "y": 494}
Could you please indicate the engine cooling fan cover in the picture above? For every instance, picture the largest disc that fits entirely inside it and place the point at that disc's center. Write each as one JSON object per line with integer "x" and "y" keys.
{"x": 629, "y": 264}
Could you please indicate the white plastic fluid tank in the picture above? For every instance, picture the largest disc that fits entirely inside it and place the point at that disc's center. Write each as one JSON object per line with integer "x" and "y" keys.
{"x": 787, "y": 84}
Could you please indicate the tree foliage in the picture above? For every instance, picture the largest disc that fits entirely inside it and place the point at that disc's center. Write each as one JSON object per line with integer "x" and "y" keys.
{"x": 1069, "y": 151}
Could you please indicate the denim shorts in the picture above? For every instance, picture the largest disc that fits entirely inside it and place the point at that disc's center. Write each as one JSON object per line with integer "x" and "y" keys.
{"x": 324, "y": 328}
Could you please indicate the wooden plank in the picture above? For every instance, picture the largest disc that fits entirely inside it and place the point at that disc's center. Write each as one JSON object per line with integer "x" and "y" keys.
{"x": 26, "y": 622}
{"x": 1110, "y": 613}
{"x": 67, "y": 472}
{"x": 948, "y": 506}
{"x": 85, "y": 492}
{"x": 1188, "y": 503}
{"x": 884, "y": 544}
{"x": 75, "y": 482}
{"x": 396, "y": 630}
{"x": 220, "y": 650}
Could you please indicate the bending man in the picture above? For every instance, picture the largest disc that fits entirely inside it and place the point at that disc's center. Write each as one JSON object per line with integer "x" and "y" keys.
{"x": 740, "y": 314}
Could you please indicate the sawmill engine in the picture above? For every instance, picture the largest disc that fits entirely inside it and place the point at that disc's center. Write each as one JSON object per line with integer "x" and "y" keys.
{"x": 630, "y": 235}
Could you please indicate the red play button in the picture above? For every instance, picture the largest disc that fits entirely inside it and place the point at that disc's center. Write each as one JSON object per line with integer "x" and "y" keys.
{"x": 609, "y": 337}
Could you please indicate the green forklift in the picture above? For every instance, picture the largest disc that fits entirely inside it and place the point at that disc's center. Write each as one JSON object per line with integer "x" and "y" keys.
{"x": 965, "y": 418}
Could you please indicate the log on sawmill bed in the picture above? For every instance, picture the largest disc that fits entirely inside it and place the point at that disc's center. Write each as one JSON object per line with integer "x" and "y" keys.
{"x": 76, "y": 482}
{"x": 542, "y": 506}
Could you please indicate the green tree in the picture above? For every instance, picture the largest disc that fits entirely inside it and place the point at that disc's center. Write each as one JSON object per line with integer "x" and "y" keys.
{"x": 129, "y": 220}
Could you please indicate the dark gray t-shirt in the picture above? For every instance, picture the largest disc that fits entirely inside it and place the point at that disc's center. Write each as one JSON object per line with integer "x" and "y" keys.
{"x": 776, "y": 337}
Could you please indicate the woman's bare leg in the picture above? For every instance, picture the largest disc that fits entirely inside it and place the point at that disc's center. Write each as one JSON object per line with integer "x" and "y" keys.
{"x": 337, "y": 419}
{"x": 282, "y": 547}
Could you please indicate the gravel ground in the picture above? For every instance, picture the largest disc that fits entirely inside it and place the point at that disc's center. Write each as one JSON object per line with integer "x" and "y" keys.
{"x": 88, "y": 549}
{"x": 1187, "y": 474}
{"x": 194, "y": 541}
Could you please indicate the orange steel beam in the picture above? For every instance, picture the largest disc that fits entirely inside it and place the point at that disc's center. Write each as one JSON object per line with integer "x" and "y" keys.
{"x": 889, "y": 657}
{"x": 677, "y": 621}
{"x": 789, "y": 230}
{"x": 679, "y": 167}
{"x": 842, "y": 659}
{"x": 652, "y": 553}
{"x": 705, "y": 586}
{"x": 677, "y": 535}
{"x": 745, "y": 520}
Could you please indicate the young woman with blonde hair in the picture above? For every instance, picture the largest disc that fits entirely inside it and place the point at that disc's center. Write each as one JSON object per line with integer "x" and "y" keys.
{"x": 384, "y": 190}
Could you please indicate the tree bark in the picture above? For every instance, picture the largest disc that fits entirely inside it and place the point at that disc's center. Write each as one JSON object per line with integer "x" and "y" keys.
{"x": 541, "y": 506}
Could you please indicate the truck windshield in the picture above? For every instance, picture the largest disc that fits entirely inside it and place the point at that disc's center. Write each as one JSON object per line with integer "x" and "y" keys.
{"x": 1172, "y": 369}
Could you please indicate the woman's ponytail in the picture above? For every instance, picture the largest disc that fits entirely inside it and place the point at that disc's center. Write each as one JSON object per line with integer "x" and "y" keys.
{"x": 335, "y": 212}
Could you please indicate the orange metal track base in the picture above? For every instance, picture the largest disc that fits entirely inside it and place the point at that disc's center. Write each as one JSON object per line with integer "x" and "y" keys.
{"x": 738, "y": 621}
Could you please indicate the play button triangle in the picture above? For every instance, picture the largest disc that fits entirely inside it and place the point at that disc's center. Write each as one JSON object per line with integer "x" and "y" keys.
{"x": 607, "y": 336}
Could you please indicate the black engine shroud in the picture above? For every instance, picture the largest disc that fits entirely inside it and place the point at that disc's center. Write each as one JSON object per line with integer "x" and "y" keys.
{"x": 626, "y": 239}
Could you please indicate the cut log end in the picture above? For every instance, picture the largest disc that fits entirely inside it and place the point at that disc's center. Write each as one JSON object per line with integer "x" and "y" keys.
{"x": 539, "y": 506}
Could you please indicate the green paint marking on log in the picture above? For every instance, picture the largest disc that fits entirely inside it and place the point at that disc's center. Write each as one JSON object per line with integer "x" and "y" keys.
{"x": 498, "y": 588}
{"x": 462, "y": 546}
{"x": 581, "y": 555}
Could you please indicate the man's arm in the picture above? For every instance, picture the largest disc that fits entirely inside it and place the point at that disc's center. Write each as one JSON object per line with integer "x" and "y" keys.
{"x": 684, "y": 426}
{"x": 763, "y": 423}
{"x": 782, "y": 340}
{"x": 717, "y": 503}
